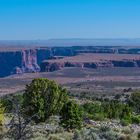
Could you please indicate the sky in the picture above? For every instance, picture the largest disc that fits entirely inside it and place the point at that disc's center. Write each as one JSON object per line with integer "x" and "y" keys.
{"x": 51, "y": 19}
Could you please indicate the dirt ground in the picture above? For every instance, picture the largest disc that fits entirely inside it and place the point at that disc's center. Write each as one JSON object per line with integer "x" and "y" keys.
{"x": 98, "y": 80}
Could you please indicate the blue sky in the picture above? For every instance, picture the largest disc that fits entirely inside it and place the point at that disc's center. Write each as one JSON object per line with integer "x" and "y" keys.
{"x": 45, "y": 19}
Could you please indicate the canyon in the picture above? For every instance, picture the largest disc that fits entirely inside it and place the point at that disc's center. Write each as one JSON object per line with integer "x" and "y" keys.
{"x": 48, "y": 59}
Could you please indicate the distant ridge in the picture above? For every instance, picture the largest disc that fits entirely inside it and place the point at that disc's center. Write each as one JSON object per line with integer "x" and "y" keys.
{"x": 73, "y": 42}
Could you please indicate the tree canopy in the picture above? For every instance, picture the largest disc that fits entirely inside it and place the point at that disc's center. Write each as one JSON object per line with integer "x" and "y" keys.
{"x": 71, "y": 115}
{"x": 44, "y": 98}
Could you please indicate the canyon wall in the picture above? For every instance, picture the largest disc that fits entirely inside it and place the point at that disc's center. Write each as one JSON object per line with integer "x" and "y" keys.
{"x": 28, "y": 60}
{"x": 9, "y": 61}
{"x": 32, "y": 60}
{"x": 18, "y": 62}
{"x": 53, "y": 66}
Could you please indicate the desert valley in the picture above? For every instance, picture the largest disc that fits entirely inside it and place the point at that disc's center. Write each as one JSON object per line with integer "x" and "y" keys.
{"x": 97, "y": 67}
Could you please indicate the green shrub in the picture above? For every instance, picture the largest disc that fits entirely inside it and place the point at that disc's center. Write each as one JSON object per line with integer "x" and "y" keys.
{"x": 138, "y": 135}
{"x": 95, "y": 117}
{"x": 104, "y": 128}
{"x": 98, "y": 117}
{"x": 109, "y": 135}
{"x": 86, "y": 134}
{"x": 135, "y": 101}
{"x": 72, "y": 115}
{"x": 127, "y": 130}
{"x": 135, "y": 119}
{"x": 111, "y": 110}
{"x": 2, "y": 109}
{"x": 92, "y": 108}
{"x": 125, "y": 122}
{"x": 44, "y": 98}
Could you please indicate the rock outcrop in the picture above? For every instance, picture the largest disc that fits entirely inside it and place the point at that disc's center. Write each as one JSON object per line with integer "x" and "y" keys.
{"x": 53, "y": 66}
{"x": 9, "y": 61}
{"x": 18, "y": 61}
{"x": 29, "y": 61}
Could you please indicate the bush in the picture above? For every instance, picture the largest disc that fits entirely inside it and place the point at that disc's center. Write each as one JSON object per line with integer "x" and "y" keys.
{"x": 7, "y": 102}
{"x": 86, "y": 134}
{"x": 109, "y": 135}
{"x": 112, "y": 110}
{"x": 125, "y": 122}
{"x": 138, "y": 135}
{"x": 135, "y": 119}
{"x": 92, "y": 108}
{"x": 104, "y": 128}
{"x": 135, "y": 101}
{"x": 44, "y": 98}
{"x": 127, "y": 130}
{"x": 98, "y": 117}
{"x": 116, "y": 110}
{"x": 1, "y": 119}
{"x": 72, "y": 116}
{"x": 125, "y": 137}
{"x": 1, "y": 113}
{"x": 93, "y": 111}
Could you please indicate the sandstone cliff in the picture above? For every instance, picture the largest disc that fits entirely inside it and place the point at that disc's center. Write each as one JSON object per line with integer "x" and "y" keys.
{"x": 18, "y": 61}
{"x": 47, "y": 66}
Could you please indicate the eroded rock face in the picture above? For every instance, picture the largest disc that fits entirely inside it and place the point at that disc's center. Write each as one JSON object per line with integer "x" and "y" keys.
{"x": 17, "y": 70}
{"x": 32, "y": 60}
{"x": 29, "y": 61}
{"x": 124, "y": 63}
{"x": 50, "y": 66}
{"x": 18, "y": 62}
{"x": 8, "y": 61}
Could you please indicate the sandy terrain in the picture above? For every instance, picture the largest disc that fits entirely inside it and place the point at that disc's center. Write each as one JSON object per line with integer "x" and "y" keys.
{"x": 93, "y": 79}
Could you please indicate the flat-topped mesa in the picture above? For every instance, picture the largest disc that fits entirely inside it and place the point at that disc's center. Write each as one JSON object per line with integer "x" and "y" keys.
{"x": 53, "y": 66}
{"x": 91, "y": 61}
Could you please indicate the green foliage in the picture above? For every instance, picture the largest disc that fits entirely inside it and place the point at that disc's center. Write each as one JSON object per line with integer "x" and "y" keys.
{"x": 104, "y": 128}
{"x": 93, "y": 111}
{"x": 8, "y": 101}
{"x": 98, "y": 117}
{"x": 92, "y": 107}
{"x": 138, "y": 135}
{"x": 135, "y": 119}
{"x": 111, "y": 110}
{"x": 8, "y": 104}
{"x": 109, "y": 135}
{"x": 116, "y": 110}
{"x": 44, "y": 98}
{"x": 86, "y": 134}
{"x": 135, "y": 101}
{"x": 2, "y": 109}
{"x": 71, "y": 115}
{"x": 125, "y": 122}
